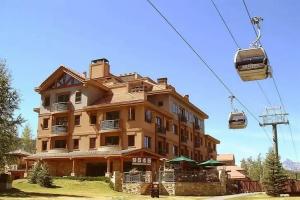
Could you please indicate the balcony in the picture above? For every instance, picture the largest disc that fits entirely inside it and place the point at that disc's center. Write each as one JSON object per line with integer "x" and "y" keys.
{"x": 182, "y": 118}
{"x": 197, "y": 127}
{"x": 197, "y": 144}
{"x": 160, "y": 129}
{"x": 60, "y": 107}
{"x": 108, "y": 125}
{"x": 59, "y": 129}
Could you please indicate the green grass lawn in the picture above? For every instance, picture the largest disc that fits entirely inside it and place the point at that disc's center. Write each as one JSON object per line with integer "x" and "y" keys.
{"x": 73, "y": 189}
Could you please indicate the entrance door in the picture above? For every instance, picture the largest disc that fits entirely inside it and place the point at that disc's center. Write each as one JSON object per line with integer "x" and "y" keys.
{"x": 95, "y": 169}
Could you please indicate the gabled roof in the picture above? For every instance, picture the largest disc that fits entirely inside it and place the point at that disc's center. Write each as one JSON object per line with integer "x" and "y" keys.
{"x": 212, "y": 138}
{"x": 60, "y": 71}
{"x": 19, "y": 152}
{"x": 225, "y": 157}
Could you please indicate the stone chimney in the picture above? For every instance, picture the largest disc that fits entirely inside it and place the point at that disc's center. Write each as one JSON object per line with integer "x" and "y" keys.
{"x": 162, "y": 81}
{"x": 99, "y": 68}
{"x": 186, "y": 97}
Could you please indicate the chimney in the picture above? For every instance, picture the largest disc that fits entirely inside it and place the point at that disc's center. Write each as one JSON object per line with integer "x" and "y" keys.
{"x": 186, "y": 97}
{"x": 84, "y": 74}
{"x": 162, "y": 81}
{"x": 99, "y": 68}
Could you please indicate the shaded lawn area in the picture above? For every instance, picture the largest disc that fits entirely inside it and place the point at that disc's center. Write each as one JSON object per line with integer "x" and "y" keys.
{"x": 264, "y": 196}
{"x": 73, "y": 189}
{"x": 63, "y": 188}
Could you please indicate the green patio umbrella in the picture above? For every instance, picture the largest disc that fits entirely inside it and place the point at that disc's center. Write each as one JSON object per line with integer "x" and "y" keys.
{"x": 211, "y": 163}
{"x": 181, "y": 159}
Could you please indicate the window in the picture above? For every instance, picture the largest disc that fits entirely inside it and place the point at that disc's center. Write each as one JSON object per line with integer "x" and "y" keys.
{"x": 159, "y": 122}
{"x": 44, "y": 145}
{"x": 46, "y": 101}
{"x": 60, "y": 144}
{"x": 78, "y": 97}
{"x": 92, "y": 143}
{"x": 147, "y": 142}
{"x": 45, "y": 123}
{"x": 63, "y": 98}
{"x": 112, "y": 140}
{"x": 160, "y": 103}
{"x": 77, "y": 120}
{"x": 131, "y": 113}
{"x": 131, "y": 140}
{"x": 167, "y": 125}
{"x": 93, "y": 119}
{"x": 167, "y": 148}
{"x": 160, "y": 148}
{"x": 175, "y": 129}
{"x": 148, "y": 116}
{"x": 75, "y": 143}
{"x": 114, "y": 115}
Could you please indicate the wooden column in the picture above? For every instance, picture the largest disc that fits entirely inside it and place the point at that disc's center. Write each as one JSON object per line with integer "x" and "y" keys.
{"x": 26, "y": 170}
{"x": 73, "y": 167}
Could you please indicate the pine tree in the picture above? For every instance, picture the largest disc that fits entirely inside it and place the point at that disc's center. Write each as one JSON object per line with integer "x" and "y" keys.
{"x": 9, "y": 101}
{"x": 26, "y": 139}
{"x": 44, "y": 179}
{"x": 274, "y": 176}
{"x": 33, "y": 175}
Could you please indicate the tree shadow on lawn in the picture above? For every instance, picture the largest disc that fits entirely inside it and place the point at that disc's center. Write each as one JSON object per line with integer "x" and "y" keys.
{"x": 21, "y": 194}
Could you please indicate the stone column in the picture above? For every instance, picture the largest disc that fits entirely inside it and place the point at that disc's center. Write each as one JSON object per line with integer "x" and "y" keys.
{"x": 121, "y": 164}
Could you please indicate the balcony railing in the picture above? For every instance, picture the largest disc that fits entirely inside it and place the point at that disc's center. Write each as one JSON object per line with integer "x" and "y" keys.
{"x": 59, "y": 129}
{"x": 182, "y": 118}
{"x": 160, "y": 129}
{"x": 60, "y": 106}
{"x": 110, "y": 124}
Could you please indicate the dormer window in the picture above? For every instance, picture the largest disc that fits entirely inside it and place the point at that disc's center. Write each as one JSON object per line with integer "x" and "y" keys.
{"x": 78, "y": 97}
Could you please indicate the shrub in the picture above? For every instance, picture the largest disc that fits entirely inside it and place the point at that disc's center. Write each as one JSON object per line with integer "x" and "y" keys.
{"x": 44, "y": 179}
{"x": 33, "y": 175}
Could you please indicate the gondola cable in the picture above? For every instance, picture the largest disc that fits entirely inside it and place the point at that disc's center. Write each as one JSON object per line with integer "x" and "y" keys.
{"x": 205, "y": 63}
{"x": 238, "y": 46}
{"x": 276, "y": 86}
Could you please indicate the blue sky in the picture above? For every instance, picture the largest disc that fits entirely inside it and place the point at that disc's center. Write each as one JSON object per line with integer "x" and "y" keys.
{"x": 37, "y": 36}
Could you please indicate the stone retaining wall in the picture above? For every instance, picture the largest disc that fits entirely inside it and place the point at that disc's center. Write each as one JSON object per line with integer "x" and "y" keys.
{"x": 199, "y": 189}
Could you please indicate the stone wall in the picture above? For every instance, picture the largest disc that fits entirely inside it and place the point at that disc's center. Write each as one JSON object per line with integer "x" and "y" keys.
{"x": 136, "y": 188}
{"x": 192, "y": 189}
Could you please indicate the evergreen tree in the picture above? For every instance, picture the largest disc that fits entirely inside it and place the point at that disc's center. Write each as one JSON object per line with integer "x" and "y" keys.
{"x": 44, "y": 179}
{"x": 26, "y": 139}
{"x": 274, "y": 176}
{"x": 9, "y": 102}
{"x": 33, "y": 175}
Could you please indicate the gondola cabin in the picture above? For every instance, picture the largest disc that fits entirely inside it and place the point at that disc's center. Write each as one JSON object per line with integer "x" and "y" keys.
{"x": 237, "y": 120}
{"x": 252, "y": 64}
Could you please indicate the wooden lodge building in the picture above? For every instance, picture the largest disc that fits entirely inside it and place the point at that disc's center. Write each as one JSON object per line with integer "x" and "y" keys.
{"x": 94, "y": 125}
